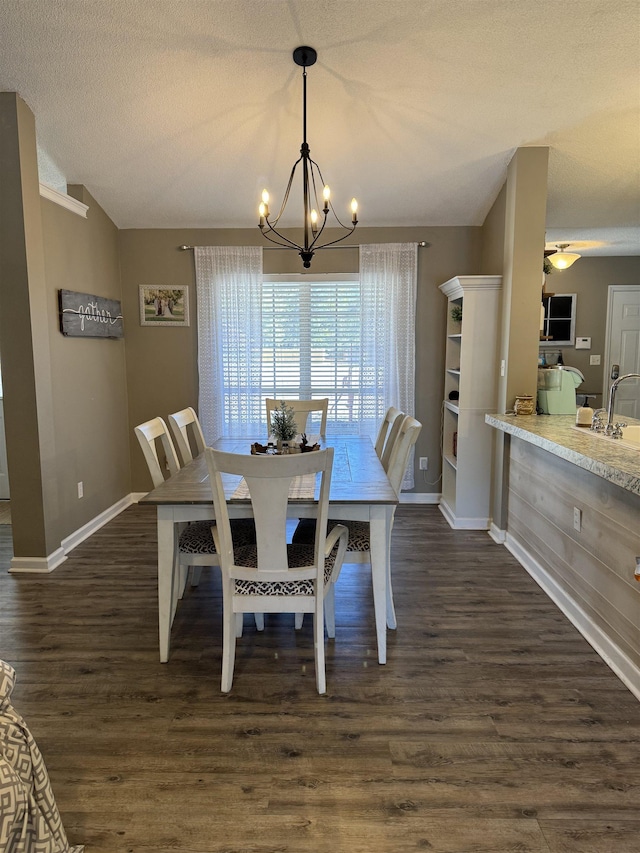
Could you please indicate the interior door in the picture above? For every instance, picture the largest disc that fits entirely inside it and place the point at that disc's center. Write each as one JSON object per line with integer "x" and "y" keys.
{"x": 623, "y": 347}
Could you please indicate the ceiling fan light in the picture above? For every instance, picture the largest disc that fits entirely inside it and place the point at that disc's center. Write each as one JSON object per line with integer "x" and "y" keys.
{"x": 563, "y": 260}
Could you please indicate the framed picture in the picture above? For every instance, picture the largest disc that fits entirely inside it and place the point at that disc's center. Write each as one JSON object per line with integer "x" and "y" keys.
{"x": 164, "y": 306}
{"x": 83, "y": 315}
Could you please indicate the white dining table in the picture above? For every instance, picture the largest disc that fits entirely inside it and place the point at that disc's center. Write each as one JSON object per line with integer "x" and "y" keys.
{"x": 360, "y": 491}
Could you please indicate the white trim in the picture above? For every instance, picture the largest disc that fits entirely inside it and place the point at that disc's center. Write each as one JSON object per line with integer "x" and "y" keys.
{"x": 459, "y": 523}
{"x": 606, "y": 369}
{"x": 48, "y": 564}
{"x": 39, "y": 565}
{"x": 497, "y": 533}
{"x": 455, "y": 287}
{"x": 420, "y": 498}
{"x": 610, "y": 653}
{"x": 74, "y": 539}
{"x": 64, "y": 200}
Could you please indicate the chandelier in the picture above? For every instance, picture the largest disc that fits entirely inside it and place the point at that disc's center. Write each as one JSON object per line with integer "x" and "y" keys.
{"x": 312, "y": 180}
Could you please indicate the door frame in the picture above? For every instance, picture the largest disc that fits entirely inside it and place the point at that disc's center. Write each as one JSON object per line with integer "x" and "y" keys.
{"x": 606, "y": 378}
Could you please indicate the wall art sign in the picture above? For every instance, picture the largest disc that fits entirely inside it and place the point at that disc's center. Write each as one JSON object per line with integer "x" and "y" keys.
{"x": 85, "y": 316}
{"x": 164, "y": 306}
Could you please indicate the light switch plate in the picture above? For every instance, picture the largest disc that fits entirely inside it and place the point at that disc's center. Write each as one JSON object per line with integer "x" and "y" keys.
{"x": 583, "y": 343}
{"x": 594, "y": 360}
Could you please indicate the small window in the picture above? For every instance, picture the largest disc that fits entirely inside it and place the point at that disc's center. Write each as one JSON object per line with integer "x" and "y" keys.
{"x": 559, "y": 320}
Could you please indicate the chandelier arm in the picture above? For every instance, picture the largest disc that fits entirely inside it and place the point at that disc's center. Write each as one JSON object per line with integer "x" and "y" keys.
{"x": 318, "y": 233}
{"x": 291, "y": 244}
{"x": 313, "y": 181}
{"x": 340, "y": 239}
{"x": 342, "y": 225}
{"x": 286, "y": 192}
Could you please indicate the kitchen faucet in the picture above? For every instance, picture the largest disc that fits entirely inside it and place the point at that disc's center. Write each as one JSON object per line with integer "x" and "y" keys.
{"x": 617, "y": 379}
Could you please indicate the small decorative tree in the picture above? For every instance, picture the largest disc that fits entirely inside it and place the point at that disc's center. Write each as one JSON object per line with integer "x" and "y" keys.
{"x": 456, "y": 313}
{"x": 283, "y": 425}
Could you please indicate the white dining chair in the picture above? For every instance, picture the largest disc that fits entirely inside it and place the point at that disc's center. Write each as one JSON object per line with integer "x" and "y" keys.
{"x": 387, "y": 434}
{"x": 271, "y": 576}
{"x": 195, "y": 547}
{"x": 156, "y": 445}
{"x": 359, "y": 545}
{"x": 187, "y": 434}
{"x": 301, "y": 409}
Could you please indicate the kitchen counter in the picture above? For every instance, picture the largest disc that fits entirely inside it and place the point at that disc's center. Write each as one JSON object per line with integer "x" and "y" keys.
{"x": 557, "y": 435}
{"x": 571, "y": 505}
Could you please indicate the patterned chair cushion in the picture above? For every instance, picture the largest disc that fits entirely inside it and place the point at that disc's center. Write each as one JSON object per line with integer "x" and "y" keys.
{"x": 359, "y": 539}
{"x": 29, "y": 817}
{"x": 297, "y": 555}
{"x": 196, "y": 537}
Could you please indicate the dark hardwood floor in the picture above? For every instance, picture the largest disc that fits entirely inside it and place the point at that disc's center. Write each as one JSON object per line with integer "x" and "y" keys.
{"x": 493, "y": 727}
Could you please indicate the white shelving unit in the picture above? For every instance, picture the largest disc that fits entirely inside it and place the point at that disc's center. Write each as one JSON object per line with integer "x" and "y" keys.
{"x": 471, "y": 369}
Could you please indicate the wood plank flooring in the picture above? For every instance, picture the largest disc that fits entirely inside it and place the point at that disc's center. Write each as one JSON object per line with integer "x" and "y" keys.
{"x": 493, "y": 727}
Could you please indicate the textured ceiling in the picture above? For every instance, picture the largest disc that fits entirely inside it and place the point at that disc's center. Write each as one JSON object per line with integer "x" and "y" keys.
{"x": 176, "y": 114}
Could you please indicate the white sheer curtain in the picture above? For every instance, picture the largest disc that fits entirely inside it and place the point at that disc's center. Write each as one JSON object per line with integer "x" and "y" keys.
{"x": 388, "y": 282}
{"x": 229, "y": 294}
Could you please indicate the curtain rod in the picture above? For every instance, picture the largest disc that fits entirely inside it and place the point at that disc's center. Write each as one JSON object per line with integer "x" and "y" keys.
{"x": 421, "y": 245}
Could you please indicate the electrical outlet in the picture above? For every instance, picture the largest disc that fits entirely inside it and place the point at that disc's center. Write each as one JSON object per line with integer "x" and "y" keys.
{"x": 80, "y": 489}
{"x": 424, "y": 463}
{"x": 577, "y": 519}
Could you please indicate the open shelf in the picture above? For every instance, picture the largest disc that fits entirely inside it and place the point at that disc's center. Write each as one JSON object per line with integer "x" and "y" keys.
{"x": 471, "y": 361}
{"x": 451, "y": 460}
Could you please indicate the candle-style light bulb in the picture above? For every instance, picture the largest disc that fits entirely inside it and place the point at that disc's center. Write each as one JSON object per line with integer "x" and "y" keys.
{"x": 314, "y": 220}
{"x": 262, "y": 209}
{"x": 326, "y": 195}
{"x": 354, "y": 210}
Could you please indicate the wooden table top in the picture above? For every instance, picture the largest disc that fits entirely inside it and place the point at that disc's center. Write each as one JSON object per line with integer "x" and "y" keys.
{"x": 358, "y": 476}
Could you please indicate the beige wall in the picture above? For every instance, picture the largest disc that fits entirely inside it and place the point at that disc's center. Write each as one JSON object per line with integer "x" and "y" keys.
{"x": 65, "y": 401}
{"x": 526, "y": 201}
{"x": 161, "y": 362}
{"x": 493, "y": 236}
{"x": 590, "y": 279}
{"x": 24, "y": 334}
{"x": 88, "y": 375}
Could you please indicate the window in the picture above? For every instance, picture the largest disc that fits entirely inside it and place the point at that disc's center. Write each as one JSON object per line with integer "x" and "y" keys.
{"x": 311, "y": 345}
{"x": 559, "y": 320}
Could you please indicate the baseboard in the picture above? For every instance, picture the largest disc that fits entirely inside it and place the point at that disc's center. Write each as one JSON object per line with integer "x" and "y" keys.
{"x": 48, "y": 564}
{"x": 38, "y": 565}
{"x": 610, "y": 653}
{"x": 459, "y": 523}
{"x": 497, "y": 533}
{"x": 74, "y": 539}
{"x": 420, "y": 498}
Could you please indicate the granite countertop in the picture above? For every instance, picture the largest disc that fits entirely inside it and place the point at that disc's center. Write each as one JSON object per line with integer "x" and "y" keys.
{"x": 558, "y": 435}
